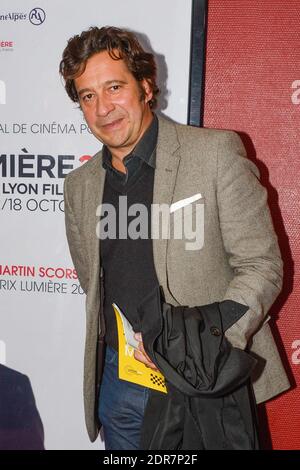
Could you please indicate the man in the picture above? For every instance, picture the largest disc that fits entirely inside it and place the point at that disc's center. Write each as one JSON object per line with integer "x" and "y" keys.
{"x": 153, "y": 161}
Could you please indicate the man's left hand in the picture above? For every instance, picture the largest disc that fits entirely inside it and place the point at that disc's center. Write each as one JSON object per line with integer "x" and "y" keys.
{"x": 141, "y": 354}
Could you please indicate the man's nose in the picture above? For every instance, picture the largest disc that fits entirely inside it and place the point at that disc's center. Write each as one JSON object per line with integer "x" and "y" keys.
{"x": 104, "y": 106}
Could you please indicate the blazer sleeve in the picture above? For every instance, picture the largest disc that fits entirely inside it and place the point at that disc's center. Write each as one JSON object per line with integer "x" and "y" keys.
{"x": 74, "y": 240}
{"x": 249, "y": 238}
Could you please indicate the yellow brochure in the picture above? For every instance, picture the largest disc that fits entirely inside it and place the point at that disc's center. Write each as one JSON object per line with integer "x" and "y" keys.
{"x": 129, "y": 368}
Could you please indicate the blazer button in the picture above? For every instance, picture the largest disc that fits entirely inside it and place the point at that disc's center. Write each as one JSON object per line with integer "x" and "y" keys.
{"x": 215, "y": 331}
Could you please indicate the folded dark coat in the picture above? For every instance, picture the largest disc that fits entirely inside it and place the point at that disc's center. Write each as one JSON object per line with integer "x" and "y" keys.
{"x": 209, "y": 404}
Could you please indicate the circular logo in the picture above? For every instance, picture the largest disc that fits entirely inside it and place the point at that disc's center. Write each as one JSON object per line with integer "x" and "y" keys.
{"x": 37, "y": 16}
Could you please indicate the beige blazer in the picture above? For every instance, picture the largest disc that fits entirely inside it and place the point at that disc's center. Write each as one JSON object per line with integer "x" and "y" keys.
{"x": 239, "y": 260}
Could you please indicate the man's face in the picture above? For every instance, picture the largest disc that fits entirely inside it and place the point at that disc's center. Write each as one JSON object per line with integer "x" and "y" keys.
{"x": 111, "y": 101}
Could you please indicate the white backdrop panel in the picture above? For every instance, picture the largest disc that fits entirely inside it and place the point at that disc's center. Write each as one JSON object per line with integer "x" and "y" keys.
{"x": 42, "y": 314}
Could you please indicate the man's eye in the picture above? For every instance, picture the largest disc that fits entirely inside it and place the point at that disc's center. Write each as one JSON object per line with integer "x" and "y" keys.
{"x": 87, "y": 97}
{"x": 115, "y": 87}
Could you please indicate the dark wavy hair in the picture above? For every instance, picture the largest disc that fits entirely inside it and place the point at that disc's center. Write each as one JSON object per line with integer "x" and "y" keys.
{"x": 120, "y": 44}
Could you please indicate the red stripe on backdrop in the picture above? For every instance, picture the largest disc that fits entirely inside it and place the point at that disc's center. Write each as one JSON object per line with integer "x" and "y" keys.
{"x": 253, "y": 87}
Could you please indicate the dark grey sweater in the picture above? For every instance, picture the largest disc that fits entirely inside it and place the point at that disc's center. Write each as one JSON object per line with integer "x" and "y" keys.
{"x": 129, "y": 273}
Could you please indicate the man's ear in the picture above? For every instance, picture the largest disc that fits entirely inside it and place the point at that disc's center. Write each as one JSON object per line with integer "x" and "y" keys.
{"x": 148, "y": 94}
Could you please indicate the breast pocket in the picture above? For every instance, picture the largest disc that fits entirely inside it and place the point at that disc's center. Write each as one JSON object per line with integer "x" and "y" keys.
{"x": 187, "y": 226}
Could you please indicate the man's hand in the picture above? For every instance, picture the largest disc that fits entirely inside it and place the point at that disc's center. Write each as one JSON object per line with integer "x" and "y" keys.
{"x": 141, "y": 355}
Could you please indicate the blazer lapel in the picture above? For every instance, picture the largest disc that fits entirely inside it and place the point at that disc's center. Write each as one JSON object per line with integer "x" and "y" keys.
{"x": 95, "y": 192}
{"x": 167, "y": 162}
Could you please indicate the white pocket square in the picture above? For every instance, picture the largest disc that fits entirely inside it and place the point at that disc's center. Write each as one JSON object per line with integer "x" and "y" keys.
{"x": 184, "y": 202}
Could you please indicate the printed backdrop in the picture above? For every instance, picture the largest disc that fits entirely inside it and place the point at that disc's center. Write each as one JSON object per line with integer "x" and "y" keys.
{"x": 43, "y": 136}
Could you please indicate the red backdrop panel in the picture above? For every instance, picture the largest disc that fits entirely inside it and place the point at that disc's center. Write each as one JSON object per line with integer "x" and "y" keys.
{"x": 253, "y": 87}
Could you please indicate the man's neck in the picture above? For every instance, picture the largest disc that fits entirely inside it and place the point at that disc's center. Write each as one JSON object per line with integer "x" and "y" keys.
{"x": 117, "y": 162}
